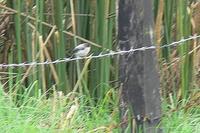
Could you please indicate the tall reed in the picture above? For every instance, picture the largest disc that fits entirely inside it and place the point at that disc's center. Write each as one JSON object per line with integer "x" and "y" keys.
{"x": 46, "y": 29}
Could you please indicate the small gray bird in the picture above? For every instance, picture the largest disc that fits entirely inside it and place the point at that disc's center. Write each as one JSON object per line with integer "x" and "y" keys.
{"x": 81, "y": 50}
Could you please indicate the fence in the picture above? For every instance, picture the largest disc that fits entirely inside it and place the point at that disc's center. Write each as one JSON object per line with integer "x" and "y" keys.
{"x": 107, "y": 53}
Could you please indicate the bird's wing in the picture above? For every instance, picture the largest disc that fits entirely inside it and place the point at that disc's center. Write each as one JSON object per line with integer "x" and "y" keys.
{"x": 79, "y": 47}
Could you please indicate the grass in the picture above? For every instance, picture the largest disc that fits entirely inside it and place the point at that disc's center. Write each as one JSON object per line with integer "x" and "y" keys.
{"x": 182, "y": 122}
{"x": 57, "y": 114}
{"x": 181, "y": 116}
{"x": 64, "y": 114}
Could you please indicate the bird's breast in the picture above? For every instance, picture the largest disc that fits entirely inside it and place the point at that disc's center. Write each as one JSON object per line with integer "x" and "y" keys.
{"x": 82, "y": 52}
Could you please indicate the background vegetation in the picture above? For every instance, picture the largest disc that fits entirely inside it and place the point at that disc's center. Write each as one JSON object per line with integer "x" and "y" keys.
{"x": 32, "y": 97}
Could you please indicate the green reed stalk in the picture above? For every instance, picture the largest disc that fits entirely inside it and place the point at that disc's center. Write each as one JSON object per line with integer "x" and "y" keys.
{"x": 183, "y": 22}
{"x": 59, "y": 46}
{"x": 18, "y": 29}
{"x": 168, "y": 26}
{"x": 28, "y": 40}
{"x": 104, "y": 37}
{"x": 35, "y": 46}
{"x": 83, "y": 27}
{"x": 74, "y": 29}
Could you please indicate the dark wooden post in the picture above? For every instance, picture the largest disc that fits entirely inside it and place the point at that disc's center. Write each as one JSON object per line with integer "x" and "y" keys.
{"x": 138, "y": 74}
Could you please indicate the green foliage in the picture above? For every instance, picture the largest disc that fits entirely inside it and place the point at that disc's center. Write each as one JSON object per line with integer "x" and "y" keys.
{"x": 62, "y": 114}
{"x": 75, "y": 21}
{"x": 86, "y": 21}
{"x": 57, "y": 114}
{"x": 175, "y": 24}
{"x": 179, "y": 118}
{"x": 48, "y": 30}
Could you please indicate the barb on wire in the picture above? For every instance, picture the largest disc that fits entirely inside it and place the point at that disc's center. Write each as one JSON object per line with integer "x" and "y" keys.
{"x": 101, "y": 55}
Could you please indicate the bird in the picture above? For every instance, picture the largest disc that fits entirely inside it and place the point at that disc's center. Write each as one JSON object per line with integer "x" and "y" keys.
{"x": 82, "y": 50}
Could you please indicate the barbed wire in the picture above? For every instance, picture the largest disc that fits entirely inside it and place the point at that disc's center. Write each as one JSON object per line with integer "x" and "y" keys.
{"x": 100, "y": 55}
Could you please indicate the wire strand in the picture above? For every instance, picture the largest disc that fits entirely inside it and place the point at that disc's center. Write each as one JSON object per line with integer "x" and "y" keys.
{"x": 100, "y": 55}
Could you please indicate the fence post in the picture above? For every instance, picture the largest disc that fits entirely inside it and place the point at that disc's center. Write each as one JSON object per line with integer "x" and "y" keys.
{"x": 138, "y": 74}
